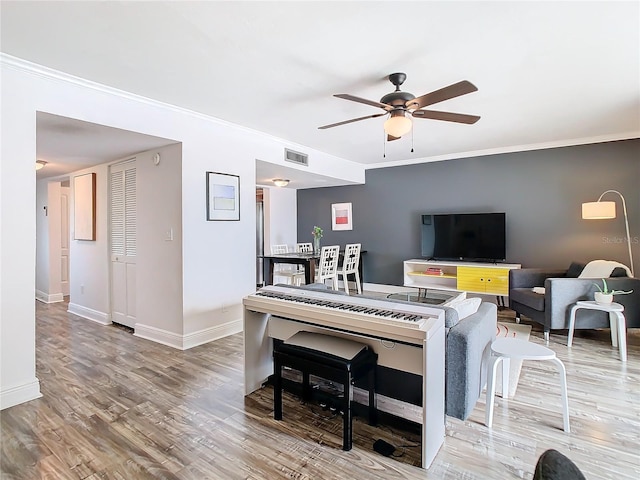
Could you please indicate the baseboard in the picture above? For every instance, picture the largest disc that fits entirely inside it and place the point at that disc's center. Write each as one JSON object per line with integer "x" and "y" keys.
{"x": 20, "y": 394}
{"x": 212, "y": 333}
{"x": 190, "y": 340}
{"x": 49, "y": 298}
{"x": 158, "y": 335}
{"x": 94, "y": 315}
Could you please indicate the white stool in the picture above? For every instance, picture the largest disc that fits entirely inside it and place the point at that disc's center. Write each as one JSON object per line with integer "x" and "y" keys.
{"x": 504, "y": 349}
{"x": 616, "y": 320}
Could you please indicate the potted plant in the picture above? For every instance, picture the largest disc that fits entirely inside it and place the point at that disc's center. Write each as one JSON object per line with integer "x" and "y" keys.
{"x": 317, "y": 235}
{"x": 604, "y": 295}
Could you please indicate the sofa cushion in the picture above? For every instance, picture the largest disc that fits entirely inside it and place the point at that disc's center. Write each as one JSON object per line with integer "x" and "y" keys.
{"x": 619, "y": 272}
{"x": 526, "y": 296}
{"x": 575, "y": 269}
{"x": 466, "y": 307}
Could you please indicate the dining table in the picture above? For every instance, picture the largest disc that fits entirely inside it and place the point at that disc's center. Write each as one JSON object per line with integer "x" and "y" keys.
{"x": 307, "y": 260}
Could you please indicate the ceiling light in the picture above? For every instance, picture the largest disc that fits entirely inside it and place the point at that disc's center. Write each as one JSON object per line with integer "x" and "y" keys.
{"x": 40, "y": 164}
{"x": 398, "y": 125}
{"x": 280, "y": 182}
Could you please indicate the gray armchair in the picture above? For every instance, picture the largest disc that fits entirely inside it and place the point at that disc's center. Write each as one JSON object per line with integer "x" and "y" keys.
{"x": 562, "y": 289}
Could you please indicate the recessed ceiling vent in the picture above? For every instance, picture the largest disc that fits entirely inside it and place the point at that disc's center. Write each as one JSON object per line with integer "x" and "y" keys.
{"x": 296, "y": 157}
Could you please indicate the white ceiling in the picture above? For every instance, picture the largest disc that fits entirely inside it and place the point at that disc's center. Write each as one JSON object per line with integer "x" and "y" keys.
{"x": 548, "y": 73}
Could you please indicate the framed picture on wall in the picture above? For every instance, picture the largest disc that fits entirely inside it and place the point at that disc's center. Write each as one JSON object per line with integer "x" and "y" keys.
{"x": 84, "y": 207}
{"x": 223, "y": 196}
{"x": 341, "y": 217}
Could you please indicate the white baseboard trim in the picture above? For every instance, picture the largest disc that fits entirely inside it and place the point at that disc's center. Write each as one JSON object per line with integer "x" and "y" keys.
{"x": 190, "y": 340}
{"x": 20, "y": 394}
{"x": 94, "y": 315}
{"x": 212, "y": 333}
{"x": 49, "y": 298}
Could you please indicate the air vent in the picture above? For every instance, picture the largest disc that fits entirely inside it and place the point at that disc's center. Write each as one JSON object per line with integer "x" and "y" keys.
{"x": 296, "y": 157}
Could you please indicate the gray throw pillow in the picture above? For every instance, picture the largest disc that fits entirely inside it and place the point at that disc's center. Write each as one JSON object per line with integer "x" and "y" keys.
{"x": 619, "y": 272}
{"x": 575, "y": 269}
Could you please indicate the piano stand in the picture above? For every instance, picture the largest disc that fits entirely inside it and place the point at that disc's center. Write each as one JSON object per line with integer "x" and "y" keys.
{"x": 332, "y": 358}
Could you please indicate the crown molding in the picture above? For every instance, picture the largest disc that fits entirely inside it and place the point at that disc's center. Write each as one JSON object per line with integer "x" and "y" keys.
{"x": 48, "y": 73}
{"x": 614, "y": 137}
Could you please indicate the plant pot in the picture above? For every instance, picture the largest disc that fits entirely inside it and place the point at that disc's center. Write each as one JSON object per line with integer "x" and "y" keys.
{"x": 603, "y": 298}
{"x": 316, "y": 245}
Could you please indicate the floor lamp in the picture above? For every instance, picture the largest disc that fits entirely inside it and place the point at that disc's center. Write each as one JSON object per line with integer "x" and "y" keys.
{"x": 603, "y": 210}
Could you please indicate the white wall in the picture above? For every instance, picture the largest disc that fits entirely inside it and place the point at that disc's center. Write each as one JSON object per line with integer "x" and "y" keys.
{"x": 42, "y": 240}
{"x": 48, "y": 241}
{"x": 54, "y": 215}
{"x": 89, "y": 259}
{"x": 280, "y": 217}
{"x": 159, "y": 245}
{"x": 218, "y": 257}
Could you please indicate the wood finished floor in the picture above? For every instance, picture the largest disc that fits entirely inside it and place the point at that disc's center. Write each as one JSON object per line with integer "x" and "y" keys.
{"x": 119, "y": 407}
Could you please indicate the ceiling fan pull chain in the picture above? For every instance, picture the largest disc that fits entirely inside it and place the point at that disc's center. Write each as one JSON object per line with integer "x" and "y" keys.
{"x": 412, "y": 140}
{"x": 384, "y": 146}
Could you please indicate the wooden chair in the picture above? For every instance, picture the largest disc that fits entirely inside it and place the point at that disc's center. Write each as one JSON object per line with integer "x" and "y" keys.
{"x": 350, "y": 266}
{"x": 328, "y": 267}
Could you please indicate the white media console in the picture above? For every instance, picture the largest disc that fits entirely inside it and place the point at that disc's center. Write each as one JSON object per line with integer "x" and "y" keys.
{"x": 472, "y": 277}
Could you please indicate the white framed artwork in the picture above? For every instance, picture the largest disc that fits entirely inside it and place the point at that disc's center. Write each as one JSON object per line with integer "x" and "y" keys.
{"x": 84, "y": 207}
{"x": 223, "y": 196}
{"x": 341, "y": 216}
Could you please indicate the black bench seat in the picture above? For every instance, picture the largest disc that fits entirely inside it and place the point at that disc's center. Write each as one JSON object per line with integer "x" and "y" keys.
{"x": 333, "y": 358}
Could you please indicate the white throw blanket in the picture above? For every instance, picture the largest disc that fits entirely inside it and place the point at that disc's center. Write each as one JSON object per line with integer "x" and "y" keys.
{"x": 601, "y": 269}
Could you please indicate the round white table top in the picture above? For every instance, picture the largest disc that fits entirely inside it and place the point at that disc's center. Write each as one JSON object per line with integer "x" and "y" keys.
{"x": 521, "y": 349}
{"x": 605, "y": 307}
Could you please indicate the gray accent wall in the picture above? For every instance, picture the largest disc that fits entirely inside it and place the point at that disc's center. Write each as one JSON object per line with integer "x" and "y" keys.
{"x": 541, "y": 192}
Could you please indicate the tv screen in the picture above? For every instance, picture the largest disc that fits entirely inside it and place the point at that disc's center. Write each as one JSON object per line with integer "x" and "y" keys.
{"x": 464, "y": 236}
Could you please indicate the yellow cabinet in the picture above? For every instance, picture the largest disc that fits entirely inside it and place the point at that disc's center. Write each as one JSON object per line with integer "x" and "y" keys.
{"x": 483, "y": 280}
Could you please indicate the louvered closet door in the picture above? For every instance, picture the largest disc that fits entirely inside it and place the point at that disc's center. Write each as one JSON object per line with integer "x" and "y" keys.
{"x": 123, "y": 220}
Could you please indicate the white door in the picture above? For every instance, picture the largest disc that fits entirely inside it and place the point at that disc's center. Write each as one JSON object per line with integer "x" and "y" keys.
{"x": 64, "y": 240}
{"x": 123, "y": 219}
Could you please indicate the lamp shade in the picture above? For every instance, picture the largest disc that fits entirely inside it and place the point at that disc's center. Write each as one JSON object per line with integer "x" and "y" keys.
{"x": 397, "y": 125}
{"x": 598, "y": 210}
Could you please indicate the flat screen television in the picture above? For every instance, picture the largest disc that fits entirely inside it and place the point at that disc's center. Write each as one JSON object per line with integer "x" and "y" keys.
{"x": 472, "y": 237}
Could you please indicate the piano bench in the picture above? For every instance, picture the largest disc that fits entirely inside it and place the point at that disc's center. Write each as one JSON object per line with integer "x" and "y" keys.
{"x": 332, "y": 358}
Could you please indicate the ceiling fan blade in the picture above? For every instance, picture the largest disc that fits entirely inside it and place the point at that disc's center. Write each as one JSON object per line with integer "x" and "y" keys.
{"x": 452, "y": 91}
{"x": 391, "y": 138}
{"x": 353, "y": 98}
{"x": 350, "y": 121}
{"x": 446, "y": 116}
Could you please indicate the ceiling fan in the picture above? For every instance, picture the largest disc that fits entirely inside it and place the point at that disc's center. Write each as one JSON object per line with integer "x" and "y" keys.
{"x": 399, "y": 105}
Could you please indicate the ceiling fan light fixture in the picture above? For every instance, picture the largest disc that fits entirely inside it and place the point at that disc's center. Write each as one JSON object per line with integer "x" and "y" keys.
{"x": 40, "y": 164}
{"x": 280, "y": 182}
{"x": 397, "y": 125}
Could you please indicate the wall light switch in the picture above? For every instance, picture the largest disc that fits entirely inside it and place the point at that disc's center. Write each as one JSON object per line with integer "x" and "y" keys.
{"x": 168, "y": 235}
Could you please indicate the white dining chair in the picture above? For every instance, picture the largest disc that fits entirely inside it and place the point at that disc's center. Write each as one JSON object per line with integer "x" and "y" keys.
{"x": 328, "y": 266}
{"x": 283, "y": 270}
{"x": 304, "y": 247}
{"x": 350, "y": 266}
{"x": 299, "y": 275}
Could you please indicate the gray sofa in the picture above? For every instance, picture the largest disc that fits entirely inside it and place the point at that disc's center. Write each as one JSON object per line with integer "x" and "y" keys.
{"x": 563, "y": 289}
{"x": 468, "y": 347}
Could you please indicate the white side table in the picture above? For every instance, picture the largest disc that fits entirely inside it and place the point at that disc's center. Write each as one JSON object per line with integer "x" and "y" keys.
{"x": 504, "y": 349}
{"x": 616, "y": 320}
